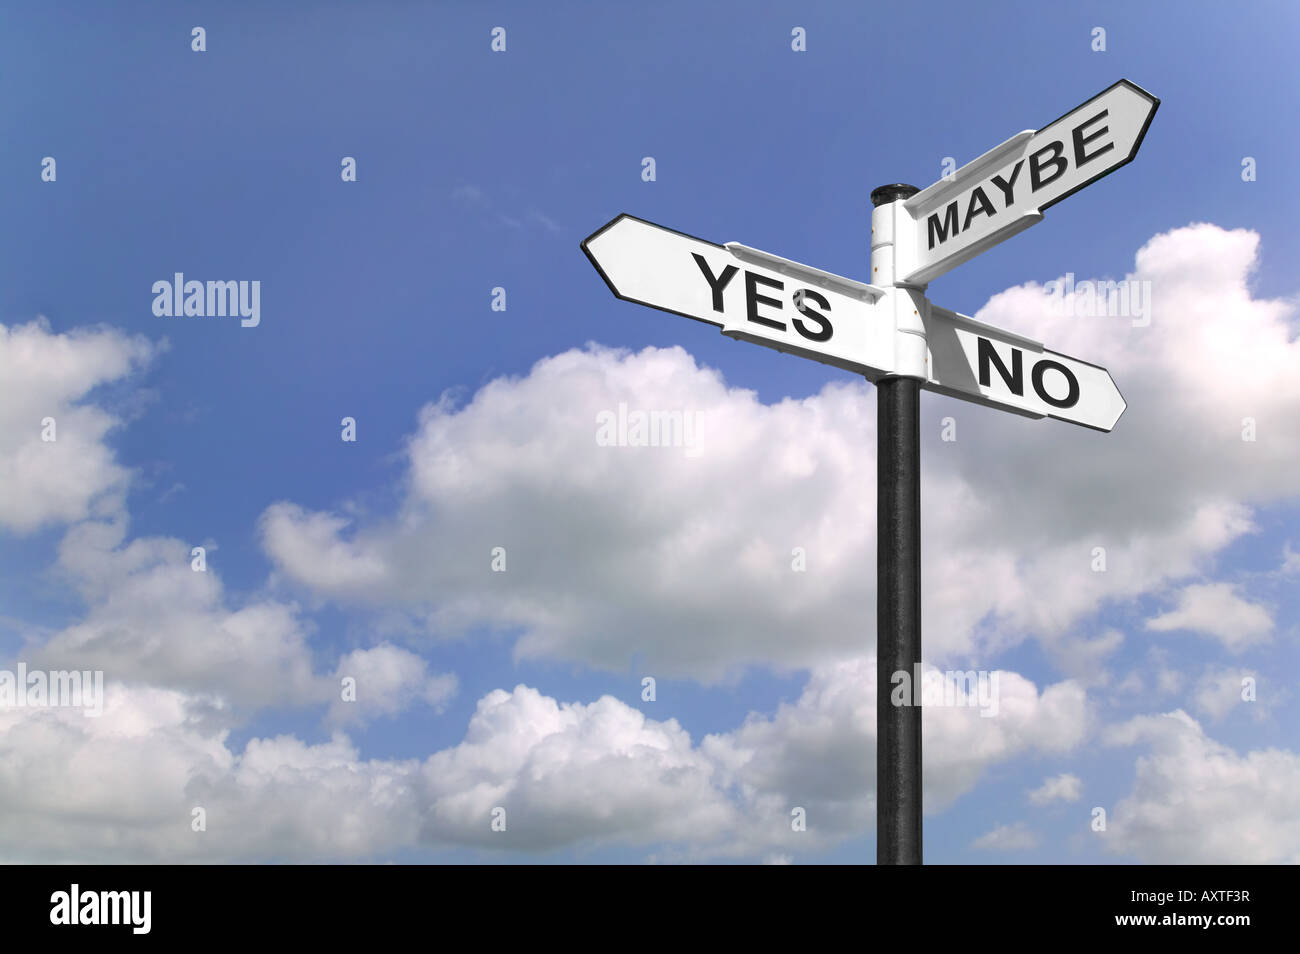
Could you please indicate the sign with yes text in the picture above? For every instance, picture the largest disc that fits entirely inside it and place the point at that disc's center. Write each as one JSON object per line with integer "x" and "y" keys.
{"x": 751, "y": 295}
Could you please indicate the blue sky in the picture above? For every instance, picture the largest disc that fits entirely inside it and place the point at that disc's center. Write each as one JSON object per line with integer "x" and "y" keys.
{"x": 479, "y": 169}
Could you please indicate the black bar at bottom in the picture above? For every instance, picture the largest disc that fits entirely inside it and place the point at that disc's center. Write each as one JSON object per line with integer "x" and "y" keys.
{"x": 233, "y": 904}
{"x": 898, "y": 620}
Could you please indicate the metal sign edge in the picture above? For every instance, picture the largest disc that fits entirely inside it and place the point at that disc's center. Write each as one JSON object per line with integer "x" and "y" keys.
{"x": 636, "y": 301}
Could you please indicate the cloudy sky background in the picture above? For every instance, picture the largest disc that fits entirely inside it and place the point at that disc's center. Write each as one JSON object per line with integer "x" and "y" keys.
{"x": 476, "y": 429}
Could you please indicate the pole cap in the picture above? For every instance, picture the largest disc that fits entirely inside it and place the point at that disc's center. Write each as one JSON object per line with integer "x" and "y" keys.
{"x": 892, "y": 193}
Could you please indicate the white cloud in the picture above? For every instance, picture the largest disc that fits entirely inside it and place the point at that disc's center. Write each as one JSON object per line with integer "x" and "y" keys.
{"x": 1196, "y": 801}
{"x": 1084, "y": 659}
{"x": 153, "y": 620}
{"x": 568, "y": 773}
{"x": 819, "y": 752}
{"x": 47, "y": 375}
{"x": 1168, "y": 681}
{"x": 1060, "y": 788}
{"x": 314, "y": 548}
{"x": 1013, "y": 837}
{"x": 123, "y": 787}
{"x": 388, "y": 680}
{"x": 1220, "y": 690}
{"x": 615, "y": 547}
{"x": 1131, "y": 685}
{"x": 150, "y": 619}
{"x": 1219, "y": 611}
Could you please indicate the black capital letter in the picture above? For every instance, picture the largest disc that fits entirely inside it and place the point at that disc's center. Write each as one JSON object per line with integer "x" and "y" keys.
{"x": 1014, "y": 379}
{"x": 1071, "y": 396}
{"x": 799, "y": 326}
{"x": 1008, "y": 184}
{"x": 985, "y": 206}
{"x": 1036, "y": 181}
{"x": 945, "y": 228}
{"x": 716, "y": 284}
{"x": 753, "y": 298}
{"x": 1080, "y": 140}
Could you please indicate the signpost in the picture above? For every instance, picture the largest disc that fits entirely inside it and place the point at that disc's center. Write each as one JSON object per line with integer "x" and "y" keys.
{"x": 890, "y": 333}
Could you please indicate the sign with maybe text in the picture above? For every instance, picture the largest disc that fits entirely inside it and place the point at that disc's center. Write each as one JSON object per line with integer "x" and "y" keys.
{"x": 1006, "y": 190}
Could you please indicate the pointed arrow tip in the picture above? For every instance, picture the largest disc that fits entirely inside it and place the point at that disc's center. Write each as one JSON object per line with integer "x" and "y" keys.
{"x": 604, "y": 228}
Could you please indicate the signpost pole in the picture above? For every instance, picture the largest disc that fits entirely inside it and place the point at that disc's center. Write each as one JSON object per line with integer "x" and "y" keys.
{"x": 887, "y": 330}
{"x": 898, "y": 580}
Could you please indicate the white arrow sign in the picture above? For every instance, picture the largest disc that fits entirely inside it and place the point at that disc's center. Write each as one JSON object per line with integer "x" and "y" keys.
{"x": 977, "y": 362}
{"x": 759, "y": 297}
{"x": 750, "y": 295}
{"x": 1006, "y": 190}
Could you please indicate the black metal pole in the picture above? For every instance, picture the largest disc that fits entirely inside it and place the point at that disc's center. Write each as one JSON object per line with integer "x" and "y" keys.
{"x": 898, "y": 621}
{"x": 898, "y": 610}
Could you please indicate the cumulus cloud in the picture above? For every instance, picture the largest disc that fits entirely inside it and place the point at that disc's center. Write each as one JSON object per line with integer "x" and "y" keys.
{"x": 1084, "y": 658}
{"x": 1060, "y": 788}
{"x": 153, "y": 620}
{"x": 1220, "y": 690}
{"x": 819, "y": 752}
{"x": 150, "y": 619}
{"x": 387, "y": 680}
{"x": 311, "y": 544}
{"x": 43, "y": 376}
{"x": 566, "y": 773}
{"x": 123, "y": 787}
{"x": 616, "y": 550}
{"x": 1196, "y": 801}
{"x": 1219, "y": 611}
{"x": 1174, "y": 483}
{"x": 1013, "y": 837}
